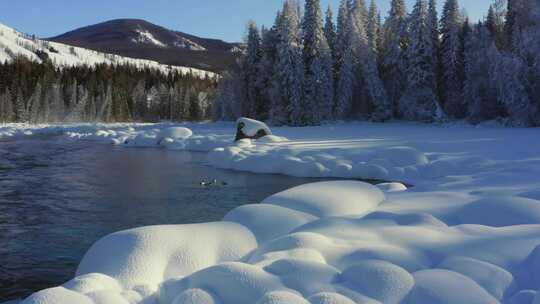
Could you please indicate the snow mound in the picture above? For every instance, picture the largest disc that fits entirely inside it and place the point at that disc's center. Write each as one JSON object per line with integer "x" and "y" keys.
{"x": 176, "y": 133}
{"x": 497, "y": 281}
{"x": 282, "y": 297}
{"x": 268, "y": 221}
{"x": 57, "y": 295}
{"x": 379, "y": 280}
{"x": 146, "y": 256}
{"x": 499, "y": 212}
{"x": 320, "y": 199}
{"x": 437, "y": 286}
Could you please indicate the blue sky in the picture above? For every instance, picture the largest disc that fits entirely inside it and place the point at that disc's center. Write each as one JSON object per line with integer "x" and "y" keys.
{"x": 223, "y": 19}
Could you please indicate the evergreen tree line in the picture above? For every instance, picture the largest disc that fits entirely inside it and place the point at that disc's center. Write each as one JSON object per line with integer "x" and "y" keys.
{"x": 42, "y": 93}
{"x": 309, "y": 67}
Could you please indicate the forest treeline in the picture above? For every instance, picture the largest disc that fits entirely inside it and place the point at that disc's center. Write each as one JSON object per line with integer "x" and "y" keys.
{"x": 42, "y": 93}
{"x": 309, "y": 67}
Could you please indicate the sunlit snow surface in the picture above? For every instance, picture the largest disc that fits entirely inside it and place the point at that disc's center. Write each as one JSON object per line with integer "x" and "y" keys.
{"x": 467, "y": 232}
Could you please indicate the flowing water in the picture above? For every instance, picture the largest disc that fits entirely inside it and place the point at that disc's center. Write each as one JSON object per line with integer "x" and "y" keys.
{"x": 57, "y": 197}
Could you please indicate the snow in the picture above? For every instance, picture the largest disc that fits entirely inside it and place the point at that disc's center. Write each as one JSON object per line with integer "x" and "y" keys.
{"x": 251, "y": 126}
{"x": 454, "y": 219}
{"x": 14, "y": 43}
{"x": 147, "y": 37}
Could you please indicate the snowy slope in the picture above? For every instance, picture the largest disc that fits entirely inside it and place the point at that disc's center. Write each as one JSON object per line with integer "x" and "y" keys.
{"x": 14, "y": 43}
{"x": 468, "y": 231}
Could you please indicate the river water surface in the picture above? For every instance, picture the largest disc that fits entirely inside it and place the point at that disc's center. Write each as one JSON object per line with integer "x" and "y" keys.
{"x": 57, "y": 197}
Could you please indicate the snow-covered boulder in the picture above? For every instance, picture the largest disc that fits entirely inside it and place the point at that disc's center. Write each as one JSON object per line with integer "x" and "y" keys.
{"x": 250, "y": 128}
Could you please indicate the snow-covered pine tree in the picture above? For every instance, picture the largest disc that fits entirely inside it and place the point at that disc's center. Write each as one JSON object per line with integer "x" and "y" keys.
{"x": 495, "y": 22}
{"x": 287, "y": 107}
{"x": 342, "y": 28}
{"x": 507, "y": 75}
{"x": 479, "y": 92}
{"x": 266, "y": 77}
{"x": 8, "y": 112}
{"x": 435, "y": 36}
{"x": 20, "y": 109}
{"x": 345, "y": 86}
{"x": 34, "y": 103}
{"x": 105, "y": 112}
{"x": 330, "y": 31}
{"x": 420, "y": 99}
{"x": 373, "y": 26}
{"x": 138, "y": 96}
{"x": 371, "y": 94}
{"x": 57, "y": 102}
{"x": 452, "y": 60}
{"x": 526, "y": 47}
{"x": 361, "y": 13}
{"x": 394, "y": 51}
{"x": 250, "y": 72}
{"x": 77, "y": 110}
{"x": 318, "y": 79}
{"x": 226, "y": 96}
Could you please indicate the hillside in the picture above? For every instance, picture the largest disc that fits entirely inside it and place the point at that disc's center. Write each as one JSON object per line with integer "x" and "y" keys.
{"x": 141, "y": 39}
{"x": 14, "y": 44}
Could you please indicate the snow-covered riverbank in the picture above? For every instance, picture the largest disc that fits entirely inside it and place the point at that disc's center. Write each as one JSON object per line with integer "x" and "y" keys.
{"x": 465, "y": 233}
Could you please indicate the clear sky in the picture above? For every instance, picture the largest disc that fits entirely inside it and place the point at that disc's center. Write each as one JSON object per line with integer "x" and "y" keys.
{"x": 223, "y": 19}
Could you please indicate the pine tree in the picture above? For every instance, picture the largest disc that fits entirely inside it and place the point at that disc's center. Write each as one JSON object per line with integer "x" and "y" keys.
{"x": 105, "y": 112}
{"x": 479, "y": 93}
{"x": 318, "y": 79}
{"x": 345, "y": 86}
{"x": 420, "y": 100}
{"x": 250, "y": 72}
{"x": 330, "y": 31}
{"x": 436, "y": 43}
{"x": 495, "y": 22}
{"x": 452, "y": 60}
{"x": 373, "y": 25}
{"x": 394, "y": 51}
{"x": 139, "y": 100}
{"x": 288, "y": 104}
{"x": 78, "y": 109}
{"x": 20, "y": 108}
{"x": 34, "y": 104}
{"x": 372, "y": 101}
{"x": 266, "y": 77}
{"x": 8, "y": 111}
{"x": 342, "y": 29}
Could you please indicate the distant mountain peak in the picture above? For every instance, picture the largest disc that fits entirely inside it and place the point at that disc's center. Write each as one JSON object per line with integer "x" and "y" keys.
{"x": 141, "y": 39}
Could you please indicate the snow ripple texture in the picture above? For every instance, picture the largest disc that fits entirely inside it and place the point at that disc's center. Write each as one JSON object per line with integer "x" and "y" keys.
{"x": 467, "y": 232}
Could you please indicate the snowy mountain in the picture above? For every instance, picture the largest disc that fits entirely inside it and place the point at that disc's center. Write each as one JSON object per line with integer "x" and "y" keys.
{"x": 141, "y": 39}
{"x": 14, "y": 44}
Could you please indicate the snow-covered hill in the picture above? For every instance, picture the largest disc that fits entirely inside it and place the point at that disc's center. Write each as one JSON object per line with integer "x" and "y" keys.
{"x": 14, "y": 43}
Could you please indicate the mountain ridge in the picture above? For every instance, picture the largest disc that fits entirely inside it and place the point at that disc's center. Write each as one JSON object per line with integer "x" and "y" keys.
{"x": 138, "y": 38}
